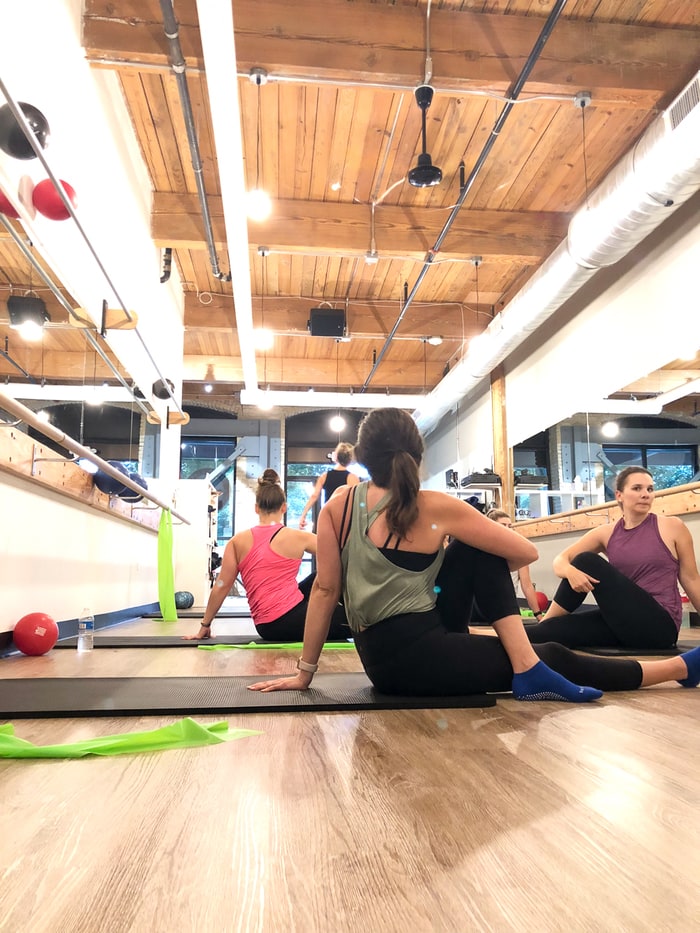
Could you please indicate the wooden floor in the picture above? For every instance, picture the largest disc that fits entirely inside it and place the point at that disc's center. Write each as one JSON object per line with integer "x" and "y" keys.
{"x": 523, "y": 817}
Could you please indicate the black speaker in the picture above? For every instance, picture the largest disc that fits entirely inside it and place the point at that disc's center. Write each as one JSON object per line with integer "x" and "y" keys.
{"x": 326, "y": 322}
{"x": 25, "y": 308}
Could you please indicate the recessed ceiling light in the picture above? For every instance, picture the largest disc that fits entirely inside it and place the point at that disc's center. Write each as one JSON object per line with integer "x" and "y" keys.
{"x": 434, "y": 341}
{"x": 335, "y": 186}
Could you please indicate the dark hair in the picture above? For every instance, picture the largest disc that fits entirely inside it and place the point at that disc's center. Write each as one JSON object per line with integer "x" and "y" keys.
{"x": 390, "y": 446}
{"x": 269, "y": 496}
{"x": 624, "y": 475}
{"x": 344, "y": 453}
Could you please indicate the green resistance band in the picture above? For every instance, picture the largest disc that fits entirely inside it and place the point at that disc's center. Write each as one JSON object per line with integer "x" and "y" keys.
{"x": 183, "y": 734}
{"x": 290, "y": 645}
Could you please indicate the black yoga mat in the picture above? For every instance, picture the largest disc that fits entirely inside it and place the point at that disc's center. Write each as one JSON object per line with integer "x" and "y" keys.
{"x": 156, "y": 696}
{"x": 158, "y": 641}
{"x": 678, "y": 648}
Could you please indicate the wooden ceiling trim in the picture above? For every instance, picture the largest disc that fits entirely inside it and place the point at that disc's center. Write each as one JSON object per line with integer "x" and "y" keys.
{"x": 620, "y": 62}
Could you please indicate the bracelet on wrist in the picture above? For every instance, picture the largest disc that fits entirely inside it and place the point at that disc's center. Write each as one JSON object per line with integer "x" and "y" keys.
{"x": 205, "y": 624}
{"x": 306, "y": 667}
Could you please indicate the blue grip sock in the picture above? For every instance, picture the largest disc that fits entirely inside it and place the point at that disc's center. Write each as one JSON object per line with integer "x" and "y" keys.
{"x": 692, "y": 662}
{"x": 542, "y": 683}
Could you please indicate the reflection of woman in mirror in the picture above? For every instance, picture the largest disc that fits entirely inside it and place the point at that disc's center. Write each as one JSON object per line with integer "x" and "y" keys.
{"x": 408, "y": 599}
{"x": 333, "y": 479}
{"x": 636, "y": 588}
{"x": 522, "y": 582}
{"x": 268, "y": 557}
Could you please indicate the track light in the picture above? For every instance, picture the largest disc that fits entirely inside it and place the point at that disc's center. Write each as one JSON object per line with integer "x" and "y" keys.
{"x": 425, "y": 174}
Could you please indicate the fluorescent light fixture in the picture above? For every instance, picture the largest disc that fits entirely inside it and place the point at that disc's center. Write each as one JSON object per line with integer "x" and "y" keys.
{"x": 306, "y": 399}
{"x": 66, "y": 393}
{"x": 219, "y": 51}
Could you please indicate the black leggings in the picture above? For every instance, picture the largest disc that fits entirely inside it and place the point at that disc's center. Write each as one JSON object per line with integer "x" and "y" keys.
{"x": 627, "y": 616}
{"x": 290, "y": 626}
{"x": 433, "y": 653}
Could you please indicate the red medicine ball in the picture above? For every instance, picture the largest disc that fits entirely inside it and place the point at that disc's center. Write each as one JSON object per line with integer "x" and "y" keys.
{"x": 35, "y": 633}
{"x": 48, "y": 201}
{"x": 542, "y": 601}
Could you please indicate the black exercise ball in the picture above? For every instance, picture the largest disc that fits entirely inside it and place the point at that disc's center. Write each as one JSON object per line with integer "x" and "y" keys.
{"x": 160, "y": 389}
{"x": 184, "y": 600}
{"x": 129, "y": 495}
{"x": 109, "y": 485}
{"x": 12, "y": 138}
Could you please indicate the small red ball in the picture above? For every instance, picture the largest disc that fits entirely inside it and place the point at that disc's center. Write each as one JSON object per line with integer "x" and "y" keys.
{"x": 47, "y": 200}
{"x": 542, "y": 601}
{"x": 35, "y": 633}
{"x": 6, "y": 207}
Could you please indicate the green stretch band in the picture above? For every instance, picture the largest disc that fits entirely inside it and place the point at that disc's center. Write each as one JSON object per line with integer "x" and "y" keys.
{"x": 291, "y": 645}
{"x": 166, "y": 574}
{"x": 183, "y": 734}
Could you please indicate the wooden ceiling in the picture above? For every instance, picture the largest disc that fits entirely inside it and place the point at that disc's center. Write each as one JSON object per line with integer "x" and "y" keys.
{"x": 332, "y": 135}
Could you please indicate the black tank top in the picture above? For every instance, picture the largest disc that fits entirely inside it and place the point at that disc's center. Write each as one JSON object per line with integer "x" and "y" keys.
{"x": 334, "y": 480}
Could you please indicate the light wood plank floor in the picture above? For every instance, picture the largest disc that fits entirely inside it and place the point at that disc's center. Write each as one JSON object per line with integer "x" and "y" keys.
{"x": 524, "y": 817}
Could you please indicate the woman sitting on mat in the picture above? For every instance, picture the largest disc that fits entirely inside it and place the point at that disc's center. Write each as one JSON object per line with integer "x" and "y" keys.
{"x": 268, "y": 557}
{"x": 408, "y": 599}
{"x": 333, "y": 479}
{"x": 522, "y": 583}
{"x": 636, "y": 588}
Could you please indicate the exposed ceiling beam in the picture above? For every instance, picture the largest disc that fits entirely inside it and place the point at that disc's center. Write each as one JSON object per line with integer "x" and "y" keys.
{"x": 344, "y": 229}
{"x": 364, "y": 319}
{"x": 618, "y": 63}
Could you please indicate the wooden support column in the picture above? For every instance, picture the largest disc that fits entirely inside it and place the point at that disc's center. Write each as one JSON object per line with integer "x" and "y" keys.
{"x": 502, "y": 454}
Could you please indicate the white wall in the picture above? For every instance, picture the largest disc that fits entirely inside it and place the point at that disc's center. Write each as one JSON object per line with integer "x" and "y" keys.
{"x": 643, "y": 321}
{"x": 463, "y": 441}
{"x": 57, "y": 556}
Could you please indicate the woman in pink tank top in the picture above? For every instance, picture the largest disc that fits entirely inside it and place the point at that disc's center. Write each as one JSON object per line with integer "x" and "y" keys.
{"x": 268, "y": 557}
{"x": 636, "y": 588}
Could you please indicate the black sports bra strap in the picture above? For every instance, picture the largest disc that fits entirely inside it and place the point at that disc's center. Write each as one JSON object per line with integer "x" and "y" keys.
{"x": 349, "y": 503}
{"x": 275, "y": 534}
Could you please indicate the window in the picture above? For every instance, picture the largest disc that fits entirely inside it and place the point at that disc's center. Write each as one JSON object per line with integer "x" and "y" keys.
{"x": 669, "y": 466}
{"x": 199, "y": 456}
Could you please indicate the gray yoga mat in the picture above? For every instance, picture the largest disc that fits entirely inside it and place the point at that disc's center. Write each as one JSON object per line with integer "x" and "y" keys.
{"x": 158, "y": 641}
{"x": 156, "y": 696}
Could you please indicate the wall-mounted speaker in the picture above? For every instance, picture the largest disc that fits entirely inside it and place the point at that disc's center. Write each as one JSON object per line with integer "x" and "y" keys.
{"x": 326, "y": 322}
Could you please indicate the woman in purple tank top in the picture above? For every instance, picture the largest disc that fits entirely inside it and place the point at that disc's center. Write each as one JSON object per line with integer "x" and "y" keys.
{"x": 636, "y": 588}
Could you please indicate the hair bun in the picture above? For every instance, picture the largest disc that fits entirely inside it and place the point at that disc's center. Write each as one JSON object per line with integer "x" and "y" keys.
{"x": 269, "y": 478}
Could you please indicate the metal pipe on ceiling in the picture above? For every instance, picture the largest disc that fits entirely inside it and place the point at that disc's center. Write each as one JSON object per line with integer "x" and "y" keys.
{"x": 178, "y": 66}
{"x": 478, "y": 165}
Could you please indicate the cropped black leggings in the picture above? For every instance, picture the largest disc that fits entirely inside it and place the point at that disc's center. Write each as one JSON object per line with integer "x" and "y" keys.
{"x": 433, "y": 653}
{"x": 627, "y": 616}
{"x": 290, "y": 626}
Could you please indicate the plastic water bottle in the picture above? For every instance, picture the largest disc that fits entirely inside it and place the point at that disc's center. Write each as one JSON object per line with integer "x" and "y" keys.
{"x": 86, "y": 631}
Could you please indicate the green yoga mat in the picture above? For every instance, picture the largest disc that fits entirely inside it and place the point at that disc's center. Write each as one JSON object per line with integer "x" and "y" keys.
{"x": 184, "y": 734}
